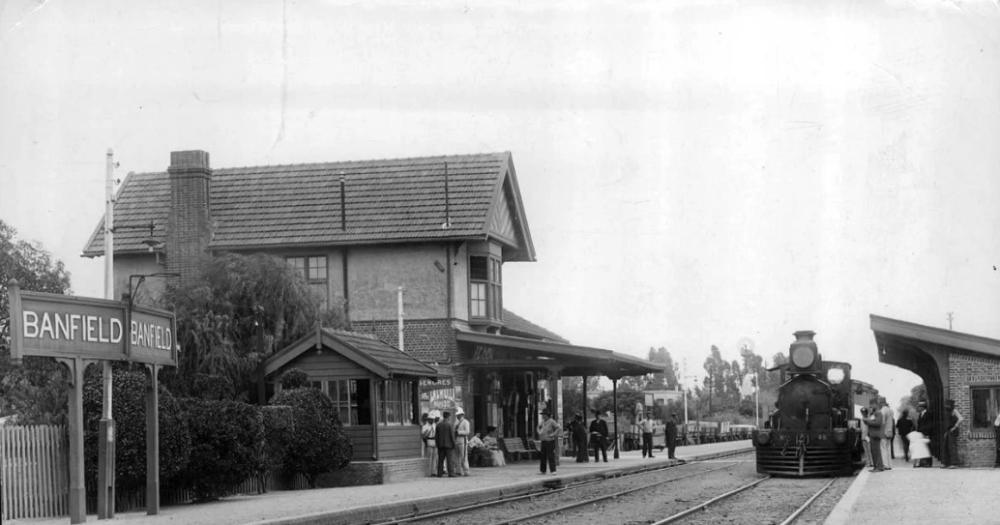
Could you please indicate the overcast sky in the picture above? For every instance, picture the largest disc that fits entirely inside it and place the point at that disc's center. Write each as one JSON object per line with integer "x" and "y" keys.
{"x": 693, "y": 173}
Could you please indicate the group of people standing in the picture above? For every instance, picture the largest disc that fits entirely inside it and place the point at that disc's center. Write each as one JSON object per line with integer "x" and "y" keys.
{"x": 879, "y": 428}
{"x": 596, "y": 434}
{"x": 447, "y": 441}
{"x": 647, "y": 427}
{"x": 448, "y": 444}
{"x": 877, "y": 433}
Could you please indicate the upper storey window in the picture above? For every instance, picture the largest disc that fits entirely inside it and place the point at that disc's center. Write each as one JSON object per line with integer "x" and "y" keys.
{"x": 485, "y": 288}
{"x": 313, "y": 270}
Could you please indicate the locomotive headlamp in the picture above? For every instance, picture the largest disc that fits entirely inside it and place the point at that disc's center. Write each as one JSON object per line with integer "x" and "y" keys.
{"x": 803, "y": 356}
{"x": 835, "y": 376}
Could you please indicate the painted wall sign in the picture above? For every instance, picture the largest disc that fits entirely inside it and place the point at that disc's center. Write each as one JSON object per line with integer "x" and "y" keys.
{"x": 52, "y": 325}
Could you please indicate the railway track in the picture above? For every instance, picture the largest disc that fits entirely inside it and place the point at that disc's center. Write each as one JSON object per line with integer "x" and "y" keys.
{"x": 788, "y": 520}
{"x": 710, "y": 492}
{"x": 593, "y": 490}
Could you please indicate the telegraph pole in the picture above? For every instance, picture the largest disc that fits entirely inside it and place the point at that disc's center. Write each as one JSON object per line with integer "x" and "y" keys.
{"x": 106, "y": 434}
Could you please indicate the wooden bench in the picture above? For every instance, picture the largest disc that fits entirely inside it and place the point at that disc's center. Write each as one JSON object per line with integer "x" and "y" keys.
{"x": 514, "y": 449}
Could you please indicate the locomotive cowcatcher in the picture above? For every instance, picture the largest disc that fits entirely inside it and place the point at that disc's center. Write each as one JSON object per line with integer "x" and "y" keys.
{"x": 813, "y": 431}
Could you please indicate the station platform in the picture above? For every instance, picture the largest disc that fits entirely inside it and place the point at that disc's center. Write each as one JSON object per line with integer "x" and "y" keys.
{"x": 370, "y": 502}
{"x": 920, "y": 496}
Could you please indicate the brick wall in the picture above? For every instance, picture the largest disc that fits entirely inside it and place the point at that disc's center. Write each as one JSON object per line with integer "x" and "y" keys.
{"x": 975, "y": 448}
{"x": 429, "y": 340}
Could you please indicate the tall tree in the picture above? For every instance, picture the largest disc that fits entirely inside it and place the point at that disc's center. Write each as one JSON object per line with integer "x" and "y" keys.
{"x": 36, "y": 391}
{"x": 666, "y": 380}
{"x": 715, "y": 368}
{"x": 242, "y": 308}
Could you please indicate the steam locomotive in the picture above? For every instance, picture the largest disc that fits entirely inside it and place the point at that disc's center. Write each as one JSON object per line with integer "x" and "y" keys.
{"x": 812, "y": 432}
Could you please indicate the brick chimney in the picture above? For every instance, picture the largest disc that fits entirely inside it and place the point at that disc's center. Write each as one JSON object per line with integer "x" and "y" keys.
{"x": 189, "y": 227}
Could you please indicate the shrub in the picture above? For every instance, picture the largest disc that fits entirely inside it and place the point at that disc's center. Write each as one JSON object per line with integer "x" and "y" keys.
{"x": 294, "y": 378}
{"x": 129, "y": 413}
{"x": 317, "y": 444}
{"x": 226, "y": 438}
{"x": 278, "y": 428}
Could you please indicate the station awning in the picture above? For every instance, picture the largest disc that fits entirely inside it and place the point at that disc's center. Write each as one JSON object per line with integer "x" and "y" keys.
{"x": 504, "y": 351}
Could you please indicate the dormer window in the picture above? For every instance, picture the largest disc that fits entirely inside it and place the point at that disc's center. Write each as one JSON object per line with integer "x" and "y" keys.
{"x": 485, "y": 288}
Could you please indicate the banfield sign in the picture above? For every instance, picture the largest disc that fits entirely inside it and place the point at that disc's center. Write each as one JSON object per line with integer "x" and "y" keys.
{"x": 52, "y": 325}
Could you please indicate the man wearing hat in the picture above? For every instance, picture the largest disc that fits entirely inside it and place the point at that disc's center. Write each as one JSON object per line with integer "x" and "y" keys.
{"x": 444, "y": 437}
{"x": 580, "y": 438}
{"x": 925, "y": 425}
{"x": 599, "y": 436}
{"x": 462, "y": 432}
{"x": 548, "y": 433}
{"x": 671, "y": 435}
{"x": 427, "y": 431}
{"x": 949, "y": 452}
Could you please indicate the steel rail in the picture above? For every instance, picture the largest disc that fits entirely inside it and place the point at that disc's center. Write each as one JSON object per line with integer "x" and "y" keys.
{"x": 570, "y": 506}
{"x": 790, "y": 519}
{"x": 808, "y": 502}
{"x": 679, "y": 515}
{"x": 416, "y": 516}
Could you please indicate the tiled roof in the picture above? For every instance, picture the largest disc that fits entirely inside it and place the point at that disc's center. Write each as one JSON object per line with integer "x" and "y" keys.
{"x": 364, "y": 349}
{"x": 394, "y": 359}
{"x": 516, "y": 325}
{"x": 390, "y": 200}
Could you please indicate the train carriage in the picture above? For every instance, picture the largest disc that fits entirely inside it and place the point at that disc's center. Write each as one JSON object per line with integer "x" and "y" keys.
{"x": 813, "y": 431}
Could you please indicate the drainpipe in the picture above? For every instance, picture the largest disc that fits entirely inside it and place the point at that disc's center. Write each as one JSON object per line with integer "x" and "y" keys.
{"x": 399, "y": 310}
{"x": 373, "y": 395}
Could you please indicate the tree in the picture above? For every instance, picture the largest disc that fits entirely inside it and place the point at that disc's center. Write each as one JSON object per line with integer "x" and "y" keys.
{"x": 35, "y": 391}
{"x": 627, "y": 401}
{"x": 715, "y": 368}
{"x": 667, "y": 380}
{"x": 317, "y": 444}
{"x": 631, "y": 383}
{"x": 918, "y": 394}
{"x": 239, "y": 310}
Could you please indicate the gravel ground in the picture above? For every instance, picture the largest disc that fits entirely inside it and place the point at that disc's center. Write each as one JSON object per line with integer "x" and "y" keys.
{"x": 683, "y": 487}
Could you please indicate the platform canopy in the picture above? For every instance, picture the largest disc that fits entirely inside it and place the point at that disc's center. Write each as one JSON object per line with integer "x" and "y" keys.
{"x": 508, "y": 352}
{"x": 924, "y": 350}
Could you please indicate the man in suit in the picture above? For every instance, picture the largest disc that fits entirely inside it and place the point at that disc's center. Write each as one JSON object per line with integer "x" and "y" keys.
{"x": 444, "y": 438}
{"x": 671, "y": 432}
{"x": 925, "y": 425}
{"x": 888, "y": 434}
{"x": 875, "y": 434}
{"x": 599, "y": 436}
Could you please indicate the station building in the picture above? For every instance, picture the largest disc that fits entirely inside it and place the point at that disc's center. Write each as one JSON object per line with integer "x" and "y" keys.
{"x": 953, "y": 365}
{"x": 424, "y": 240}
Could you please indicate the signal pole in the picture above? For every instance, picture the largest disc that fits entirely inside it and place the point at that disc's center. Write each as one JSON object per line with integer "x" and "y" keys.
{"x": 106, "y": 426}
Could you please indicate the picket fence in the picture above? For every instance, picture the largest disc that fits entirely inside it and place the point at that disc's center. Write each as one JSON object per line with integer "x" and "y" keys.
{"x": 34, "y": 479}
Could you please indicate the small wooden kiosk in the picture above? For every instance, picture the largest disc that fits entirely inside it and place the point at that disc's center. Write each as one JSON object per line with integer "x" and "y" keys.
{"x": 373, "y": 386}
